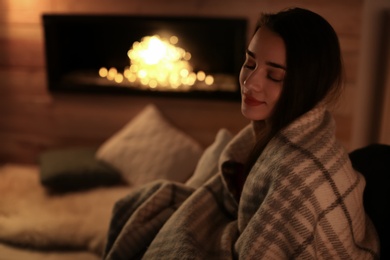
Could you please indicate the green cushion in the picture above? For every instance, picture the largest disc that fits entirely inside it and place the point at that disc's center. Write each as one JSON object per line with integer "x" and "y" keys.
{"x": 74, "y": 169}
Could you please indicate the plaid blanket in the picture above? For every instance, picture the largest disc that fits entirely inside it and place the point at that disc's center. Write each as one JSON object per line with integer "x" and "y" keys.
{"x": 301, "y": 200}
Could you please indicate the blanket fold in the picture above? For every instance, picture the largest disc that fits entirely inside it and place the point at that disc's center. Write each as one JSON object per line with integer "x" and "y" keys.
{"x": 140, "y": 215}
{"x": 301, "y": 200}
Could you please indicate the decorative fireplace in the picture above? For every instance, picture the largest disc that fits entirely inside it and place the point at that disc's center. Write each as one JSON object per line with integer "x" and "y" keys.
{"x": 168, "y": 56}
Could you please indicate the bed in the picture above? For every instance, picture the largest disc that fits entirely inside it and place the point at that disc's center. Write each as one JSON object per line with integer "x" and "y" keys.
{"x": 60, "y": 207}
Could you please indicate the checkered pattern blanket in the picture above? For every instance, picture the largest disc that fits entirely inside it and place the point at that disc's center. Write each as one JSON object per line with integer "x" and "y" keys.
{"x": 301, "y": 200}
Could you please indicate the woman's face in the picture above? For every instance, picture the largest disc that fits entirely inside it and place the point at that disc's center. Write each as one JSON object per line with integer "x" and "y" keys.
{"x": 262, "y": 74}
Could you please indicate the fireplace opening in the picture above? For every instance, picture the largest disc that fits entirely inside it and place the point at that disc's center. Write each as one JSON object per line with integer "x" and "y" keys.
{"x": 168, "y": 56}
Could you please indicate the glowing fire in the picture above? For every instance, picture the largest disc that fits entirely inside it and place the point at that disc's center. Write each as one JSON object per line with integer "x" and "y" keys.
{"x": 157, "y": 63}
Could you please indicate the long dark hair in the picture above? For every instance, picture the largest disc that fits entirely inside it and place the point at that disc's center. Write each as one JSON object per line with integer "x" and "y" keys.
{"x": 314, "y": 68}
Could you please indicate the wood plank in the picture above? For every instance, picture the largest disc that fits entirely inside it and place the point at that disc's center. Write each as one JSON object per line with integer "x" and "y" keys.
{"x": 21, "y": 46}
{"x": 346, "y": 104}
{"x": 385, "y": 120}
{"x": 344, "y": 15}
{"x": 23, "y": 11}
{"x": 95, "y": 6}
{"x": 343, "y": 130}
{"x": 350, "y": 63}
{"x": 23, "y": 83}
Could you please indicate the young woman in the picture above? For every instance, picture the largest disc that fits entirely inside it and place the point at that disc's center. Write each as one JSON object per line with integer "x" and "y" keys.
{"x": 285, "y": 188}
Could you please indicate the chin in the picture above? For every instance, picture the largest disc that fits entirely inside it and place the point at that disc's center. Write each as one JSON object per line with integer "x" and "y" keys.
{"x": 253, "y": 114}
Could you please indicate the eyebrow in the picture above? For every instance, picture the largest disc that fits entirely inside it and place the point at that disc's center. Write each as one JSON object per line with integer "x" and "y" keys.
{"x": 269, "y": 63}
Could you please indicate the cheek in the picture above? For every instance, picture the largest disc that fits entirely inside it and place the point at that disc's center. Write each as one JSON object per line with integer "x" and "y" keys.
{"x": 276, "y": 93}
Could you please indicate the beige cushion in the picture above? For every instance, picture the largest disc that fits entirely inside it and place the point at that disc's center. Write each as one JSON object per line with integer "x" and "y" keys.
{"x": 208, "y": 163}
{"x": 149, "y": 148}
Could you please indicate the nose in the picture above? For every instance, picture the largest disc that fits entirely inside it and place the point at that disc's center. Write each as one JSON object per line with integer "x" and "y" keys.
{"x": 255, "y": 81}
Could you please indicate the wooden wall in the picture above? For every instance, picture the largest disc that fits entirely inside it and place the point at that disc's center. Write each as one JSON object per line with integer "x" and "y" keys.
{"x": 32, "y": 120}
{"x": 372, "y": 125}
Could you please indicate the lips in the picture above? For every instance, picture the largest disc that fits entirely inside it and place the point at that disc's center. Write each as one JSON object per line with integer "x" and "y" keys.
{"x": 250, "y": 101}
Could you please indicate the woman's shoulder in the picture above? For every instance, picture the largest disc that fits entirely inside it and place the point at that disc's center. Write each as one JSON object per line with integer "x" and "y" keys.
{"x": 305, "y": 148}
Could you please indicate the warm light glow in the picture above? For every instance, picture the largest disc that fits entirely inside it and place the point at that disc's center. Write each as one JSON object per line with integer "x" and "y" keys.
{"x": 103, "y": 72}
{"x": 156, "y": 62}
{"x": 201, "y": 75}
{"x": 173, "y": 40}
{"x": 132, "y": 78}
{"x": 209, "y": 80}
{"x": 118, "y": 78}
{"x": 112, "y": 72}
{"x": 187, "y": 56}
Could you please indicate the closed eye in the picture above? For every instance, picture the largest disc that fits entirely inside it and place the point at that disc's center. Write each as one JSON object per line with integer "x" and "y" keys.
{"x": 274, "y": 79}
{"x": 251, "y": 67}
{"x": 276, "y": 75}
{"x": 250, "y": 60}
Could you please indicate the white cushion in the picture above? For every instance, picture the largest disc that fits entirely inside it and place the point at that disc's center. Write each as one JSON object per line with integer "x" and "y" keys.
{"x": 149, "y": 148}
{"x": 208, "y": 163}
